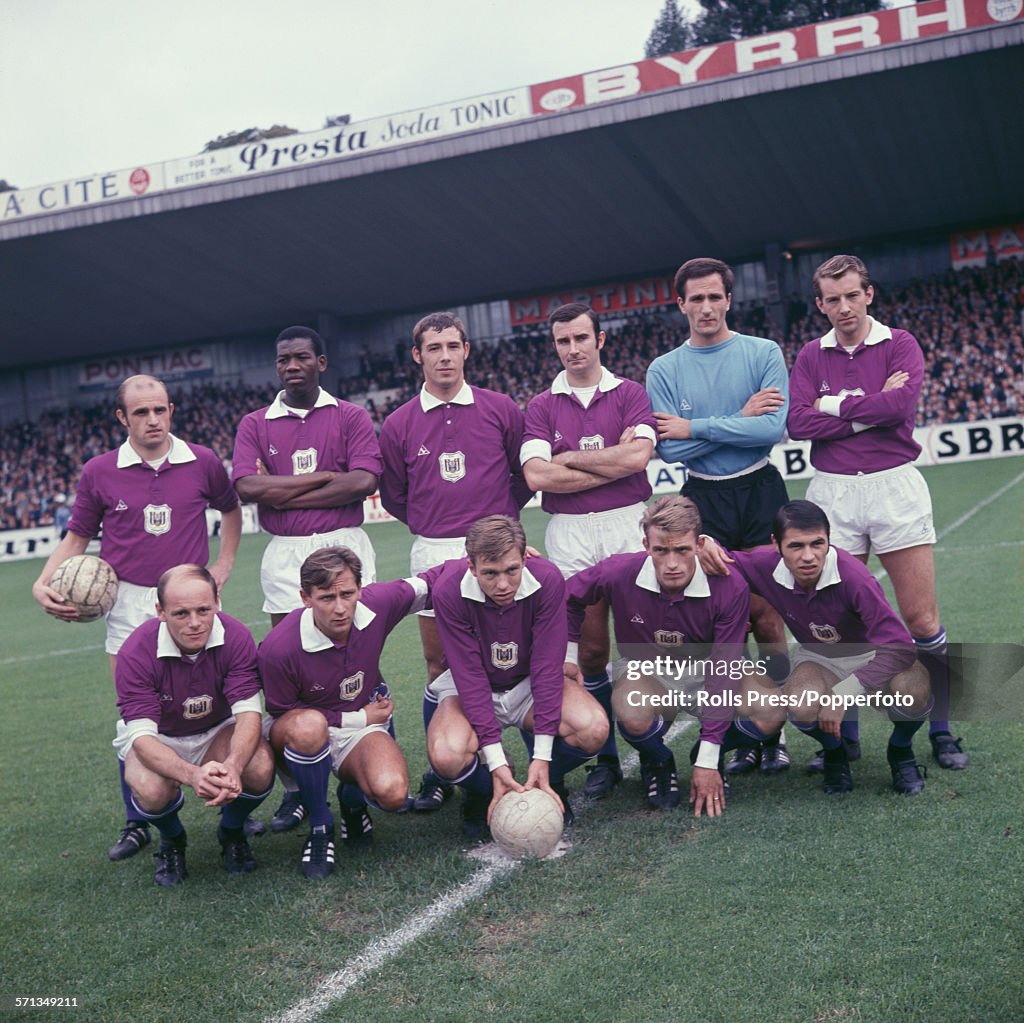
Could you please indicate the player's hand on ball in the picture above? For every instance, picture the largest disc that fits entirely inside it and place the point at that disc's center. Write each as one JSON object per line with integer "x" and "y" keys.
{"x": 707, "y": 792}
{"x": 538, "y": 777}
{"x": 53, "y": 603}
{"x": 503, "y": 782}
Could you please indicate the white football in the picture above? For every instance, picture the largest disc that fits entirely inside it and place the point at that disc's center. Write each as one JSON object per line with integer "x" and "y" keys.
{"x": 88, "y": 583}
{"x": 527, "y": 824}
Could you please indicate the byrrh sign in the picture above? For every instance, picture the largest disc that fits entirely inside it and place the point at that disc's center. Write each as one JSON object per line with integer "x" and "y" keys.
{"x": 777, "y": 49}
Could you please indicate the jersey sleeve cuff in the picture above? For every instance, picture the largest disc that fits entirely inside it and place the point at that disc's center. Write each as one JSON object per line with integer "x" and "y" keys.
{"x": 543, "y": 746}
{"x": 829, "y": 404}
{"x": 421, "y": 592}
{"x": 131, "y": 730}
{"x": 494, "y": 756}
{"x": 860, "y": 427}
{"x": 535, "y": 448}
{"x": 353, "y": 719}
{"x": 572, "y": 652}
{"x": 644, "y": 431}
{"x": 251, "y": 703}
{"x": 707, "y": 755}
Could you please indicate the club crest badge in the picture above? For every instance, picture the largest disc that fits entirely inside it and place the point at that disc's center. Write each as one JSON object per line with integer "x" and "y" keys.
{"x": 156, "y": 519}
{"x": 197, "y": 707}
{"x": 594, "y": 443}
{"x": 825, "y": 633}
{"x": 453, "y": 466}
{"x": 665, "y": 637}
{"x": 303, "y": 462}
{"x": 352, "y": 686}
{"x": 504, "y": 655}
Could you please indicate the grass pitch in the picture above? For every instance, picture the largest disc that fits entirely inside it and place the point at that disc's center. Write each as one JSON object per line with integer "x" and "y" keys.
{"x": 792, "y": 907}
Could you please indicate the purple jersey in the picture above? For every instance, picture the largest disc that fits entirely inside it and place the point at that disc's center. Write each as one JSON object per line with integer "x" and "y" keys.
{"x": 490, "y": 648}
{"x": 711, "y": 612}
{"x": 155, "y": 680}
{"x": 301, "y": 667}
{"x": 152, "y": 519}
{"x": 858, "y": 427}
{"x": 334, "y": 436}
{"x": 556, "y": 421}
{"x": 845, "y": 615}
{"x": 447, "y": 464}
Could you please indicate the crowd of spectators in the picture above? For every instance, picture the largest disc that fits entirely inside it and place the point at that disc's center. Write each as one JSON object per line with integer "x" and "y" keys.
{"x": 969, "y": 324}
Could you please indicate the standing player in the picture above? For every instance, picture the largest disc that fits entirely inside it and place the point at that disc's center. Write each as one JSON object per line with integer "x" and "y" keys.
{"x": 719, "y": 399}
{"x": 308, "y": 459}
{"x": 586, "y": 446}
{"x": 331, "y": 708}
{"x": 189, "y": 696}
{"x": 852, "y": 643}
{"x": 663, "y": 604}
{"x": 451, "y": 456}
{"x": 855, "y": 392}
{"x": 150, "y": 497}
{"x": 503, "y": 627}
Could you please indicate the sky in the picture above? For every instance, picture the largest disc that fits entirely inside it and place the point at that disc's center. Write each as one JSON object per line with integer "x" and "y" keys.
{"x": 87, "y": 87}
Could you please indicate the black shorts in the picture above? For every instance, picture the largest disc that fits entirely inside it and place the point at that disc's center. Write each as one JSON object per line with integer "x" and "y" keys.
{"x": 738, "y": 512}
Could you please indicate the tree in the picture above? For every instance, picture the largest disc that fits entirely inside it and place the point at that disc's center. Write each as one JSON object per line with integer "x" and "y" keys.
{"x": 724, "y": 19}
{"x": 671, "y": 32}
{"x": 239, "y": 138}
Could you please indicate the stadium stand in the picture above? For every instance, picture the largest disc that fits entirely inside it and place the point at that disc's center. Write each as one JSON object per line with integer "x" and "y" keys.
{"x": 970, "y": 324}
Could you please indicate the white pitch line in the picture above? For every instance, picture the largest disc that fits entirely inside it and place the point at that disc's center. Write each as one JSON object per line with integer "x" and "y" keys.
{"x": 378, "y": 952}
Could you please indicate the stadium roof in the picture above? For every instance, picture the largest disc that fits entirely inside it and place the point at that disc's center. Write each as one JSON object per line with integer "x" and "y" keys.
{"x": 881, "y": 142}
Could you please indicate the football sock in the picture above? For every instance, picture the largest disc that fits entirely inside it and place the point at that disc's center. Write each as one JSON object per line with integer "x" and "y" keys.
{"x": 312, "y": 773}
{"x": 351, "y": 796}
{"x": 895, "y": 752}
{"x": 431, "y": 777}
{"x": 564, "y": 758}
{"x": 777, "y": 666}
{"x": 131, "y": 815}
{"x": 779, "y": 739}
{"x": 743, "y": 734}
{"x": 165, "y": 819}
{"x": 903, "y": 733}
{"x": 650, "y": 744}
{"x": 933, "y": 653}
{"x": 475, "y": 778}
{"x": 828, "y": 742}
{"x": 600, "y": 687}
{"x": 850, "y": 729}
{"x": 234, "y": 814}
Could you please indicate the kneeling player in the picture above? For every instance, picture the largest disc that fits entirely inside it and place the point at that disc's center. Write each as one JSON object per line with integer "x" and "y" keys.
{"x": 854, "y": 650}
{"x": 665, "y": 608}
{"x": 503, "y": 629}
{"x": 331, "y": 708}
{"x": 189, "y": 696}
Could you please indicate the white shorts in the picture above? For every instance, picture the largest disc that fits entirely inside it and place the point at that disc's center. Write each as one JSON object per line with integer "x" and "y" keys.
{"x": 876, "y": 511}
{"x": 134, "y": 605}
{"x": 191, "y": 748}
{"x": 342, "y": 740}
{"x": 510, "y": 706}
{"x": 428, "y": 552}
{"x": 279, "y": 572}
{"x": 841, "y": 667}
{"x": 575, "y": 542}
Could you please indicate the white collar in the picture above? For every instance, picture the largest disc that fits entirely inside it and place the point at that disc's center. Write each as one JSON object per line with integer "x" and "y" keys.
{"x": 278, "y": 409}
{"x": 470, "y": 587}
{"x": 166, "y": 647}
{"x": 608, "y": 382}
{"x": 647, "y": 579}
{"x": 429, "y": 401}
{"x": 877, "y": 332}
{"x": 178, "y": 453}
{"x": 829, "y": 573}
{"x": 314, "y": 641}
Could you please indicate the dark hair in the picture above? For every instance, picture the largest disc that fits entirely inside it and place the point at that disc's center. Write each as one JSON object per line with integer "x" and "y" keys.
{"x": 805, "y": 515}
{"x": 186, "y": 571}
{"x": 303, "y": 333}
{"x": 570, "y": 311}
{"x": 122, "y": 390}
{"x": 438, "y": 322}
{"x": 839, "y": 266}
{"x": 493, "y": 536}
{"x": 323, "y": 565}
{"x": 703, "y": 266}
